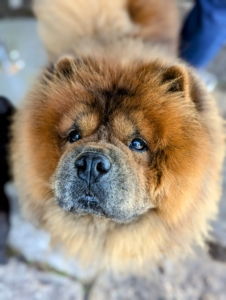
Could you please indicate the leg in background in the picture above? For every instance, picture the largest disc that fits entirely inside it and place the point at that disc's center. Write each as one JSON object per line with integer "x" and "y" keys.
{"x": 204, "y": 32}
{"x": 6, "y": 111}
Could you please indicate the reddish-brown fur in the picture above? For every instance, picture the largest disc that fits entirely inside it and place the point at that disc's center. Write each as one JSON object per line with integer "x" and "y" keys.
{"x": 137, "y": 87}
{"x": 149, "y": 14}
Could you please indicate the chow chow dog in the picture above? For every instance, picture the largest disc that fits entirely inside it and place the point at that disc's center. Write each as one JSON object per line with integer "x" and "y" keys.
{"x": 117, "y": 149}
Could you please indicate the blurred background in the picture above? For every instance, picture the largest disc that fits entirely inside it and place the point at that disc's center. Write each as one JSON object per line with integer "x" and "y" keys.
{"x": 34, "y": 270}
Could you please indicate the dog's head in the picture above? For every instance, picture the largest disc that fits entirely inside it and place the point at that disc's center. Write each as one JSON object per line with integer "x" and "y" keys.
{"x": 117, "y": 140}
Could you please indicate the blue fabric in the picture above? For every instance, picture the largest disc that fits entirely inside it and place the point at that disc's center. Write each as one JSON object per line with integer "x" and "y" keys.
{"x": 204, "y": 32}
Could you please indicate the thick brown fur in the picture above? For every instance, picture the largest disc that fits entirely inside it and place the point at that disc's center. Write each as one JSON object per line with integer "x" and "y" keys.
{"x": 116, "y": 80}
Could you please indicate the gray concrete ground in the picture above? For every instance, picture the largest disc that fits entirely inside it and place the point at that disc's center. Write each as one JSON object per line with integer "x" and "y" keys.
{"x": 35, "y": 271}
{"x": 19, "y": 281}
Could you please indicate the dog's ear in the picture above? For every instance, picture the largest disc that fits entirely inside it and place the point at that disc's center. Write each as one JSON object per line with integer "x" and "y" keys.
{"x": 65, "y": 67}
{"x": 176, "y": 79}
{"x": 183, "y": 79}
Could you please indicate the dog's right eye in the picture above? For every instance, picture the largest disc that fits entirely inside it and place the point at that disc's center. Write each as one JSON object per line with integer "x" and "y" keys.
{"x": 73, "y": 136}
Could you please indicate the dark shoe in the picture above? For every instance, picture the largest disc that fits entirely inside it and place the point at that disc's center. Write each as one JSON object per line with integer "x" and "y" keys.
{"x": 4, "y": 229}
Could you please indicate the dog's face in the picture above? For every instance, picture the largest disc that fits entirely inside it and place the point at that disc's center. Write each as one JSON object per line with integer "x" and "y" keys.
{"x": 119, "y": 141}
{"x": 101, "y": 169}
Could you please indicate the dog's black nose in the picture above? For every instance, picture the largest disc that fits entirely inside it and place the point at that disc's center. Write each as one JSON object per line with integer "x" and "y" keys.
{"x": 92, "y": 166}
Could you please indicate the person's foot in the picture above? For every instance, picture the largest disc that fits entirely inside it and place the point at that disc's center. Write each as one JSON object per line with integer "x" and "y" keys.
{"x": 209, "y": 79}
{"x": 4, "y": 229}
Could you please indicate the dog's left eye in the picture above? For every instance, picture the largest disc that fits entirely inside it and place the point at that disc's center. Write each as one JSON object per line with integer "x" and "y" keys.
{"x": 73, "y": 136}
{"x": 138, "y": 145}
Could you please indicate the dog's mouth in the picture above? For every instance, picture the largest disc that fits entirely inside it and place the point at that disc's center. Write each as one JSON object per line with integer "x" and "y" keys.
{"x": 99, "y": 182}
{"x": 88, "y": 204}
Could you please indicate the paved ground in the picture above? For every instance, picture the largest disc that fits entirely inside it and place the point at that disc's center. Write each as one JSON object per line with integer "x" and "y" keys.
{"x": 19, "y": 281}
